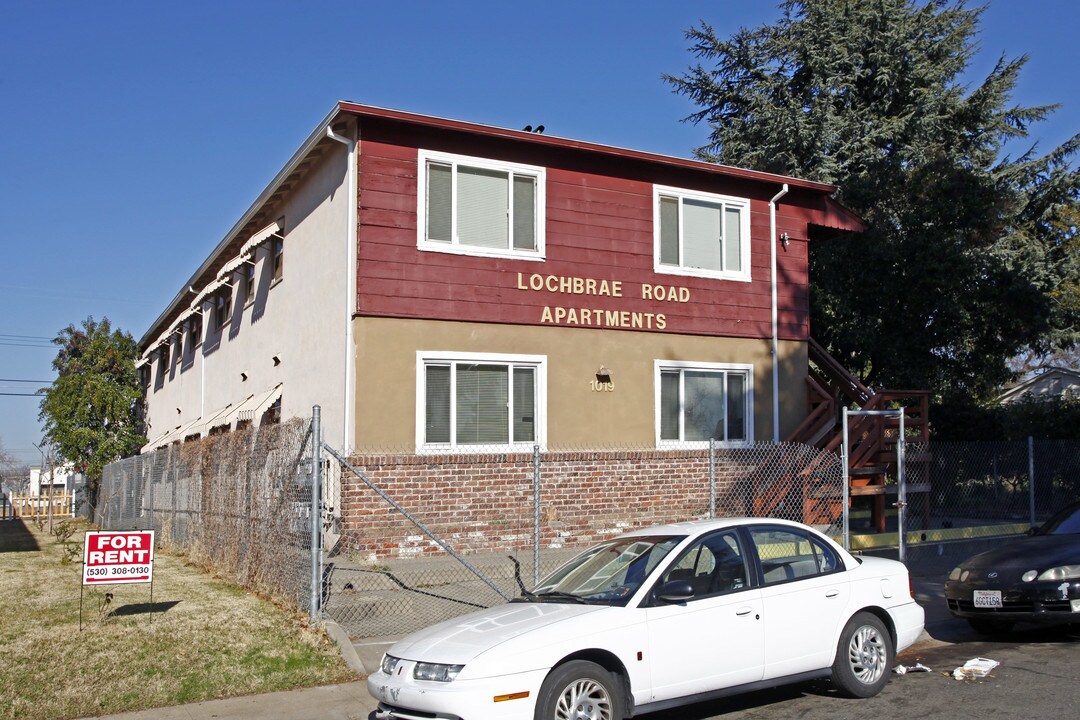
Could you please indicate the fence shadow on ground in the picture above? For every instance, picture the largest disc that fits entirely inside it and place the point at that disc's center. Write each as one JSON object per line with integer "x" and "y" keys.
{"x": 16, "y": 537}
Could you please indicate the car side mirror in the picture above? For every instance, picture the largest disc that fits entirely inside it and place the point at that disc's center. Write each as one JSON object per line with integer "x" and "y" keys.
{"x": 676, "y": 591}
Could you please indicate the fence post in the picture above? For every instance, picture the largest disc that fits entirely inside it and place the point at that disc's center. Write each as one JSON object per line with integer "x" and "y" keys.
{"x": 150, "y": 485}
{"x": 174, "y": 523}
{"x": 846, "y": 491}
{"x": 712, "y": 477}
{"x": 1031, "y": 478}
{"x": 901, "y": 490}
{"x": 536, "y": 515}
{"x": 316, "y": 477}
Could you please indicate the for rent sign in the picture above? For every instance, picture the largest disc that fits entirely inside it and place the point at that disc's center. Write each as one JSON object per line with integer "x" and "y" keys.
{"x": 118, "y": 557}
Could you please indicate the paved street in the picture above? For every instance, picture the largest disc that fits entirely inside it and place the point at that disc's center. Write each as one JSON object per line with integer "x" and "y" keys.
{"x": 1039, "y": 676}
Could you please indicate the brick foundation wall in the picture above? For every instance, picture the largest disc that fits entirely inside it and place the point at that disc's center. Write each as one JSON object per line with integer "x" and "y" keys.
{"x": 484, "y": 503}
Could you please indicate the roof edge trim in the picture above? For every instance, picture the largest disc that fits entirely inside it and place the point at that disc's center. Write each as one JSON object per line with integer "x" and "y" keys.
{"x": 306, "y": 147}
{"x": 556, "y": 141}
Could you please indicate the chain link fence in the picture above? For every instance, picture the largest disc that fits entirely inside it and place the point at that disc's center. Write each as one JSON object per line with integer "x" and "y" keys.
{"x": 408, "y": 539}
{"x": 958, "y": 485}
{"x": 421, "y": 538}
{"x": 238, "y": 504}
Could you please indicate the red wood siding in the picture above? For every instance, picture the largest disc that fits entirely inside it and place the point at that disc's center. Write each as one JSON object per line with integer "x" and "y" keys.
{"x": 599, "y": 225}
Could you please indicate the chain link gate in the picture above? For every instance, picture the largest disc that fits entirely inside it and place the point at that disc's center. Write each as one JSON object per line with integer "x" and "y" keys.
{"x": 880, "y": 491}
{"x": 408, "y": 540}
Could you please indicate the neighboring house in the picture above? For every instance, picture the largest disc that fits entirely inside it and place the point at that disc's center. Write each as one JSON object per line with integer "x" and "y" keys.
{"x": 1050, "y": 384}
{"x": 443, "y": 286}
{"x": 62, "y": 478}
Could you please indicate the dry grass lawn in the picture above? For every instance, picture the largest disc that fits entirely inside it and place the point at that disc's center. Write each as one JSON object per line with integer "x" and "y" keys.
{"x": 204, "y": 639}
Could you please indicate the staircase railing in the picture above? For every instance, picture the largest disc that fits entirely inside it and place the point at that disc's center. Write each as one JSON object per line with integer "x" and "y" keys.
{"x": 872, "y": 439}
{"x": 835, "y": 376}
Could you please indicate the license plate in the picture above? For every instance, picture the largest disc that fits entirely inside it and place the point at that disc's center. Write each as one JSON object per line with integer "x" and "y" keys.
{"x": 987, "y": 599}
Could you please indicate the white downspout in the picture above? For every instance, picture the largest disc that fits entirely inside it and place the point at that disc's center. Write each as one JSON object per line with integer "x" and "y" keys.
{"x": 775, "y": 341}
{"x": 202, "y": 364}
{"x": 348, "y": 401}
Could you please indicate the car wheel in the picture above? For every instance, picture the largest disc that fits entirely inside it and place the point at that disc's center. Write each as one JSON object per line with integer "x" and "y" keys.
{"x": 986, "y": 626}
{"x": 580, "y": 690}
{"x": 863, "y": 657}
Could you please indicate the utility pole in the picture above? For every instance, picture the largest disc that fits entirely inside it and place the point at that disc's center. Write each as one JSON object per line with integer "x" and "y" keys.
{"x": 52, "y": 479}
{"x": 52, "y": 487}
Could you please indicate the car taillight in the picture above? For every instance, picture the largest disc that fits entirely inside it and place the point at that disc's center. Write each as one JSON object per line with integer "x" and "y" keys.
{"x": 911, "y": 586}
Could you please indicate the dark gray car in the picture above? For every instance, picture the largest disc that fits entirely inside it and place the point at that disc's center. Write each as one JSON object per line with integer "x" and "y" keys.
{"x": 1033, "y": 579}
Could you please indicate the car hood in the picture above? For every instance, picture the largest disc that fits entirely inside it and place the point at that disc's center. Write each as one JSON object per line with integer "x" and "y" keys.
{"x": 1037, "y": 552}
{"x": 464, "y": 638}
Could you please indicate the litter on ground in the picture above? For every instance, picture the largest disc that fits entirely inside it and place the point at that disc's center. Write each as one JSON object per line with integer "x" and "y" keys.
{"x": 975, "y": 668}
{"x": 905, "y": 669}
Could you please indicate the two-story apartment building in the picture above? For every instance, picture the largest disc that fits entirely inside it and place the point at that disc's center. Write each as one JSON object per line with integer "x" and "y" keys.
{"x": 437, "y": 285}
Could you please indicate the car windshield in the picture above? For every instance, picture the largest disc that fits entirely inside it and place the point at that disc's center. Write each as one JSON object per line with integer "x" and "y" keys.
{"x": 1066, "y": 522}
{"x": 608, "y": 573}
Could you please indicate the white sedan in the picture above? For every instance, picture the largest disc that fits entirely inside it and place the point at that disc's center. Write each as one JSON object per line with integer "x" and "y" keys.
{"x": 661, "y": 617}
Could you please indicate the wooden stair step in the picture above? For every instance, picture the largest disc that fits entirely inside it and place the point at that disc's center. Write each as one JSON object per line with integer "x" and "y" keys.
{"x": 888, "y": 489}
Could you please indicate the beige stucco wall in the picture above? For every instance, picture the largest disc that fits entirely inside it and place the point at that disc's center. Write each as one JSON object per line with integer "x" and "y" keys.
{"x": 302, "y": 319}
{"x": 577, "y": 415}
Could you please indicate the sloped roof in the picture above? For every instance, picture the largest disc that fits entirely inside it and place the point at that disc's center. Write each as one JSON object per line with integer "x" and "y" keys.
{"x": 262, "y": 212}
{"x": 1068, "y": 376}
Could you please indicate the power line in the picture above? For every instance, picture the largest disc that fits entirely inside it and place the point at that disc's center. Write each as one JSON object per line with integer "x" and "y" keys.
{"x": 22, "y": 394}
{"x": 38, "y": 341}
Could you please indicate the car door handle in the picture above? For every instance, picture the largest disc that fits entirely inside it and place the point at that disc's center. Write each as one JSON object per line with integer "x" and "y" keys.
{"x": 744, "y": 611}
{"x": 832, "y": 593}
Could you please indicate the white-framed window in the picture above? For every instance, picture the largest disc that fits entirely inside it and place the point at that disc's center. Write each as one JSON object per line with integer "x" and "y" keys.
{"x": 249, "y": 282}
{"x": 696, "y": 402}
{"x": 277, "y": 253}
{"x": 223, "y": 307}
{"x": 473, "y": 206}
{"x": 701, "y": 234}
{"x": 162, "y": 366}
{"x": 191, "y": 332}
{"x": 194, "y": 332}
{"x": 480, "y": 402}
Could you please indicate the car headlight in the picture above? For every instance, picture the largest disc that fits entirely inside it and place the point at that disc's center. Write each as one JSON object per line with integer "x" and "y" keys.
{"x": 389, "y": 664}
{"x": 1063, "y": 572}
{"x": 436, "y": 672}
{"x": 955, "y": 574}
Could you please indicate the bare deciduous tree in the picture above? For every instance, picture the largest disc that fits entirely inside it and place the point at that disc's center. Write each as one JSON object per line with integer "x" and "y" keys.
{"x": 14, "y": 476}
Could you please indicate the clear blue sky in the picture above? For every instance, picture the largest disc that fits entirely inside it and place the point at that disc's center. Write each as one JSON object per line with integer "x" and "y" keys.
{"x": 134, "y": 134}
